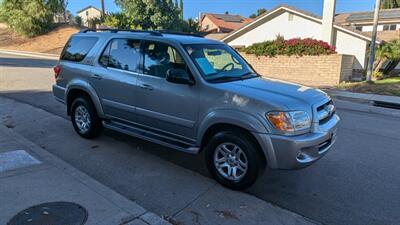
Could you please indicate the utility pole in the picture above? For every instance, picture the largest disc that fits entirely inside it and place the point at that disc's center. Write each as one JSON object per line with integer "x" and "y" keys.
{"x": 373, "y": 40}
{"x": 103, "y": 12}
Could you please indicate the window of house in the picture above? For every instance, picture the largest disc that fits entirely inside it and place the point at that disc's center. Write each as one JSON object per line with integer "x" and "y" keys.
{"x": 160, "y": 57}
{"x": 122, "y": 54}
{"x": 389, "y": 27}
{"x": 359, "y": 28}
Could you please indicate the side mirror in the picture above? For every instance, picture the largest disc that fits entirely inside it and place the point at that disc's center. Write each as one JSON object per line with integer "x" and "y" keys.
{"x": 179, "y": 76}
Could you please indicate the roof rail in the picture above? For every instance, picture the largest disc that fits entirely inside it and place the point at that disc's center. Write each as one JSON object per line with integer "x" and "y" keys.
{"x": 179, "y": 33}
{"x": 112, "y": 30}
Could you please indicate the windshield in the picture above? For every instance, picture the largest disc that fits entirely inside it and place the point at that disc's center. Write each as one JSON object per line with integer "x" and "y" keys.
{"x": 219, "y": 63}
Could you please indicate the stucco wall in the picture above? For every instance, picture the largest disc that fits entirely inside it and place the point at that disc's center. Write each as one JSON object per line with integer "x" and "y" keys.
{"x": 317, "y": 71}
{"x": 206, "y": 21}
{"x": 348, "y": 44}
{"x": 91, "y": 13}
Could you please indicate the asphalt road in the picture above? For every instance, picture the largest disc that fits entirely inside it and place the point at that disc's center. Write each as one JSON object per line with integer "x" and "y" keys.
{"x": 357, "y": 182}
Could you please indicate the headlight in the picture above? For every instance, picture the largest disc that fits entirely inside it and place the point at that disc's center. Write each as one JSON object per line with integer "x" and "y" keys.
{"x": 289, "y": 121}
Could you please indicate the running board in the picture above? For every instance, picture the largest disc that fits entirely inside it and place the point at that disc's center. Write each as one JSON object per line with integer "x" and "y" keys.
{"x": 151, "y": 136}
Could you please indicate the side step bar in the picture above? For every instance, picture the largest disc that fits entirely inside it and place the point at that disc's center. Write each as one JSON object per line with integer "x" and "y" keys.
{"x": 151, "y": 136}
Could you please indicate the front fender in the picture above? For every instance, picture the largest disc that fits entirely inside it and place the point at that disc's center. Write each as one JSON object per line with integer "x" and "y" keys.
{"x": 86, "y": 87}
{"x": 244, "y": 120}
{"x": 233, "y": 117}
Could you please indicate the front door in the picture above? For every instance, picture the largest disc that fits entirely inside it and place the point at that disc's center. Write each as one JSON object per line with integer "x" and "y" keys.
{"x": 163, "y": 106}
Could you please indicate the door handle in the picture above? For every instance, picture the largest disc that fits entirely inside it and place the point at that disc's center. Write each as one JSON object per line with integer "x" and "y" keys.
{"x": 96, "y": 76}
{"x": 146, "y": 86}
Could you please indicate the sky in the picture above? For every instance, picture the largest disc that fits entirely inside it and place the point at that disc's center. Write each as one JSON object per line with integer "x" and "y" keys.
{"x": 192, "y": 8}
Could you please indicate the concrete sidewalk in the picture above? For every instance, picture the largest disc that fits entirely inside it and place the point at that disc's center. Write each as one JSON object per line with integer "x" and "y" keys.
{"x": 29, "y": 175}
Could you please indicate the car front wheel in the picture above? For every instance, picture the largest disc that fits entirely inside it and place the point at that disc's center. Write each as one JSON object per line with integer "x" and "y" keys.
{"x": 233, "y": 159}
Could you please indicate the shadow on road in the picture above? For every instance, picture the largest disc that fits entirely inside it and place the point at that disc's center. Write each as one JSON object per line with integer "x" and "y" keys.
{"x": 27, "y": 62}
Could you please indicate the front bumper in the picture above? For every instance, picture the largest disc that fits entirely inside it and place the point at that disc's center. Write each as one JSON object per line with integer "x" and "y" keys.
{"x": 295, "y": 152}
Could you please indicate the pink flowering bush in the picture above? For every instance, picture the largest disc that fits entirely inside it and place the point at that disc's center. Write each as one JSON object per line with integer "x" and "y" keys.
{"x": 295, "y": 46}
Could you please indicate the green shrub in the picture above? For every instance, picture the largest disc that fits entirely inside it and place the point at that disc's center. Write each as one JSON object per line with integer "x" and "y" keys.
{"x": 296, "y": 46}
{"x": 29, "y": 17}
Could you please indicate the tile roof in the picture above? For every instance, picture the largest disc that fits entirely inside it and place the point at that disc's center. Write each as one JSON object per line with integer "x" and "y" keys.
{"x": 227, "y": 21}
{"x": 383, "y": 14}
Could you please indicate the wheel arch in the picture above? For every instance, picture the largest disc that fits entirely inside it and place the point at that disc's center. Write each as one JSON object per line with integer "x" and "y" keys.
{"x": 224, "y": 120}
{"x": 80, "y": 88}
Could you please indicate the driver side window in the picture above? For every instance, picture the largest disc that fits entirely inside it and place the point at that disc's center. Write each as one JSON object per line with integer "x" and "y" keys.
{"x": 159, "y": 58}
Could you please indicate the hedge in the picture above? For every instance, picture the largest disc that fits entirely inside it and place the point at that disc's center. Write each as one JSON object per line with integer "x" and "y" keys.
{"x": 295, "y": 46}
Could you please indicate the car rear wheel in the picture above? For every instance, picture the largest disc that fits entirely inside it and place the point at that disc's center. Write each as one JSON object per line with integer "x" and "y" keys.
{"x": 232, "y": 159}
{"x": 85, "y": 119}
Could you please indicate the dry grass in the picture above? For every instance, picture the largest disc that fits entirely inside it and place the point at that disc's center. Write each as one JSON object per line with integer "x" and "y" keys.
{"x": 388, "y": 86}
{"x": 52, "y": 42}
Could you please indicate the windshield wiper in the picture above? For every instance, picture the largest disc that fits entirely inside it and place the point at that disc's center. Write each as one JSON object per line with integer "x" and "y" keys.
{"x": 224, "y": 79}
{"x": 249, "y": 75}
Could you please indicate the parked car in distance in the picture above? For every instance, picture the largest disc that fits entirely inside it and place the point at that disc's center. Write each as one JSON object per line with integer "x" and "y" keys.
{"x": 192, "y": 94}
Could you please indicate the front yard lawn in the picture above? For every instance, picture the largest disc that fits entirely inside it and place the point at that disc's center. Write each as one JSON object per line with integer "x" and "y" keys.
{"x": 388, "y": 86}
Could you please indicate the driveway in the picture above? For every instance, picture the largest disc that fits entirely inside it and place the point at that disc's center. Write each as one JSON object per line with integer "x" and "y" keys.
{"x": 356, "y": 183}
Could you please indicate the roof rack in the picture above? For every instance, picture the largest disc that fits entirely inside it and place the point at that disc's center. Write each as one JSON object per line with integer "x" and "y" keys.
{"x": 151, "y": 32}
{"x": 179, "y": 33}
{"x": 112, "y": 30}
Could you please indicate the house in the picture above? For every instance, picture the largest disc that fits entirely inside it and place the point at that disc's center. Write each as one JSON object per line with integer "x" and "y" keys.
{"x": 388, "y": 26}
{"x": 218, "y": 25}
{"x": 293, "y": 23}
{"x": 88, "y": 13}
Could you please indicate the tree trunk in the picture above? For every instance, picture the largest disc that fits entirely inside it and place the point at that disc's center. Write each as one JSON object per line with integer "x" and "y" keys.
{"x": 379, "y": 65}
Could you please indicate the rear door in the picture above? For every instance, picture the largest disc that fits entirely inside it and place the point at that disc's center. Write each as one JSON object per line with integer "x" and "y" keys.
{"x": 115, "y": 78}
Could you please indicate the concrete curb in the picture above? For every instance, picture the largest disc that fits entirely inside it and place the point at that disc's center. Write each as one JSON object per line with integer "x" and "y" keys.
{"x": 30, "y": 54}
{"x": 364, "y": 98}
{"x": 136, "y": 211}
{"x": 365, "y": 102}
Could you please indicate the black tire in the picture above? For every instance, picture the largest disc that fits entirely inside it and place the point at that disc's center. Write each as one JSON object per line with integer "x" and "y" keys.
{"x": 96, "y": 126}
{"x": 249, "y": 148}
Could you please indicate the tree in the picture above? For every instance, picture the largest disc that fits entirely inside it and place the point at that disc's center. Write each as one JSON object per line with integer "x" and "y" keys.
{"x": 181, "y": 9}
{"x": 150, "y": 14}
{"x": 29, "y": 17}
{"x": 63, "y": 8}
{"x": 389, "y": 51}
{"x": 78, "y": 20}
{"x": 390, "y": 4}
{"x": 116, "y": 20}
{"x": 258, "y": 13}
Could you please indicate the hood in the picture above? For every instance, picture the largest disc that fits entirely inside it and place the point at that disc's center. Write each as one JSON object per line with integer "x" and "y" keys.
{"x": 278, "y": 93}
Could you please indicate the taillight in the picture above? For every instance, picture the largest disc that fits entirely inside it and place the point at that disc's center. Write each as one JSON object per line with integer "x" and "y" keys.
{"x": 57, "y": 71}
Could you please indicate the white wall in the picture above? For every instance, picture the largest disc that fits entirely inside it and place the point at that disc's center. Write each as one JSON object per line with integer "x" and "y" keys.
{"x": 350, "y": 45}
{"x": 298, "y": 27}
{"x": 91, "y": 13}
{"x": 368, "y": 28}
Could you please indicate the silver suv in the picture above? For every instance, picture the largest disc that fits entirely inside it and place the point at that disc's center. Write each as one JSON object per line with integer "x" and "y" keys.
{"x": 192, "y": 94}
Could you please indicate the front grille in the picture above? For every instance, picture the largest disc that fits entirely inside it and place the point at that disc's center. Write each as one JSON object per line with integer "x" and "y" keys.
{"x": 325, "y": 112}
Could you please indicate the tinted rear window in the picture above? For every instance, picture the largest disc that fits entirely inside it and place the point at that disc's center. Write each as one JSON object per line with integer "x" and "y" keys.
{"x": 77, "y": 48}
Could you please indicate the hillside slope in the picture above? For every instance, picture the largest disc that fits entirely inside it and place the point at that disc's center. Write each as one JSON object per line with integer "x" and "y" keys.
{"x": 52, "y": 42}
